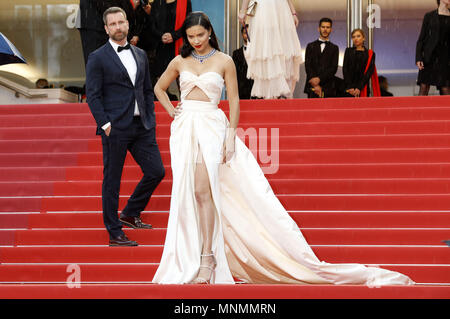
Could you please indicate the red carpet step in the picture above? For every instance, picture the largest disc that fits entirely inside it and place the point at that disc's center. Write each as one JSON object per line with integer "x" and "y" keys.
{"x": 287, "y": 129}
{"x": 323, "y": 156}
{"x": 365, "y": 254}
{"x": 291, "y": 142}
{"x": 286, "y": 171}
{"x": 305, "y": 219}
{"x": 303, "y": 186}
{"x": 127, "y": 273}
{"x": 246, "y": 116}
{"x": 263, "y": 105}
{"x": 347, "y": 202}
{"x": 315, "y": 236}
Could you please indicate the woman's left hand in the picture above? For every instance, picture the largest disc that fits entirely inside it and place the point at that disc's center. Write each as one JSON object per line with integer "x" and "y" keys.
{"x": 229, "y": 152}
{"x": 229, "y": 146}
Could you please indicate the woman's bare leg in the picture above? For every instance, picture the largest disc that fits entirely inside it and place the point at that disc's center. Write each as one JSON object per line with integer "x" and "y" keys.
{"x": 206, "y": 211}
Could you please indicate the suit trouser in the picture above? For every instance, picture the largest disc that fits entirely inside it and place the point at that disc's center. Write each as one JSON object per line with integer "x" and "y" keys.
{"x": 141, "y": 143}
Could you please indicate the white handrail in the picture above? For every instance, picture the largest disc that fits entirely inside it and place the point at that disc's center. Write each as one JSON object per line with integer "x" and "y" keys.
{"x": 20, "y": 89}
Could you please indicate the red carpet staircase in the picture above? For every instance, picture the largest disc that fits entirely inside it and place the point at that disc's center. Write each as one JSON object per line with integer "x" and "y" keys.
{"x": 367, "y": 181}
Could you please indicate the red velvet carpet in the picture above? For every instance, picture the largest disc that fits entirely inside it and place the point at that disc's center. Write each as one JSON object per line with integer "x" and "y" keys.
{"x": 367, "y": 181}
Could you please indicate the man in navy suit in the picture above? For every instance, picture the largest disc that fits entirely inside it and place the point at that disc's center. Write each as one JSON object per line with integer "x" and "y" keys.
{"x": 120, "y": 97}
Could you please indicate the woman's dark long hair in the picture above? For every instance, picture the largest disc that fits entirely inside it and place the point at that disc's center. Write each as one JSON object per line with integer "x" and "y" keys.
{"x": 193, "y": 19}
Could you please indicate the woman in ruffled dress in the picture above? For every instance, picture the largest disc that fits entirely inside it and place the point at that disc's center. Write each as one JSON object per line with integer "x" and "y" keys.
{"x": 273, "y": 53}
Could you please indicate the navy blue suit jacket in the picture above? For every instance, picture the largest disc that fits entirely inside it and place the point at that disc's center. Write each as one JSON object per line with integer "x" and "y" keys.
{"x": 110, "y": 93}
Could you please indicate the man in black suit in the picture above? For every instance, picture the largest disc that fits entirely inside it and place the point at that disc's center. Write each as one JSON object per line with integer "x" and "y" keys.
{"x": 90, "y": 25}
{"x": 321, "y": 63}
{"x": 244, "y": 84}
{"x": 120, "y": 97}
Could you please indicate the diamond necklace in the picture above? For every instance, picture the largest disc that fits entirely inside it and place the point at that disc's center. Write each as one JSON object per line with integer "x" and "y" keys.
{"x": 203, "y": 58}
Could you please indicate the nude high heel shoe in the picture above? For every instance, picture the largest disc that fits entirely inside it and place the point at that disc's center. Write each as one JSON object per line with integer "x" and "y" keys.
{"x": 212, "y": 273}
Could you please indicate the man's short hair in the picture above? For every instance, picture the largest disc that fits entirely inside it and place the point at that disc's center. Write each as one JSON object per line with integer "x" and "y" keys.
{"x": 113, "y": 10}
{"x": 42, "y": 84}
{"x": 325, "y": 20}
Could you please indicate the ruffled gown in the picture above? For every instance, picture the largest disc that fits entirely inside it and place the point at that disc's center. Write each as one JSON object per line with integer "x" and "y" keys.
{"x": 255, "y": 240}
{"x": 273, "y": 54}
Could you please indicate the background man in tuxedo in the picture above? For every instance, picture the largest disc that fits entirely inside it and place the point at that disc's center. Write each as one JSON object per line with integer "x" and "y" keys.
{"x": 244, "y": 84}
{"x": 321, "y": 63}
{"x": 120, "y": 96}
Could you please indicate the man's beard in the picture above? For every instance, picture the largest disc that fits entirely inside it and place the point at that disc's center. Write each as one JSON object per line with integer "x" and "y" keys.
{"x": 119, "y": 36}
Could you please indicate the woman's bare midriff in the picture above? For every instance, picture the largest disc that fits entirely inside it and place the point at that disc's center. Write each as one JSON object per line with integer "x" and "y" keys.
{"x": 198, "y": 95}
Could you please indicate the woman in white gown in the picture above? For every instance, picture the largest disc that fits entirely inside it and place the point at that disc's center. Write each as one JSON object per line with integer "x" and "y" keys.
{"x": 273, "y": 53}
{"x": 225, "y": 222}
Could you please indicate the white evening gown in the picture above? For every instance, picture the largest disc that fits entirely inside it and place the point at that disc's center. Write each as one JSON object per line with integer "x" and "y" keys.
{"x": 273, "y": 54}
{"x": 255, "y": 240}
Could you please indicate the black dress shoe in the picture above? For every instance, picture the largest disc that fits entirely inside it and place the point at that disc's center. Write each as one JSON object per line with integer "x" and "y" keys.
{"x": 134, "y": 222}
{"x": 122, "y": 241}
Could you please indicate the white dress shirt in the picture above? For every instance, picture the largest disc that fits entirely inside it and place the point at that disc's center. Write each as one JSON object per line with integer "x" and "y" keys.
{"x": 322, "y": 44}
{"x": 128, "y": 61}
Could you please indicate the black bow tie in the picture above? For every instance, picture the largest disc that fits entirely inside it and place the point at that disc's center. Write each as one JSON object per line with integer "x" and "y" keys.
{"x": 324, "y": 41}
{"x": 127, "y": 47}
